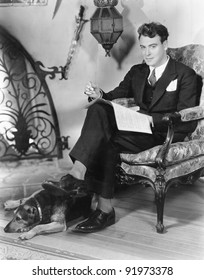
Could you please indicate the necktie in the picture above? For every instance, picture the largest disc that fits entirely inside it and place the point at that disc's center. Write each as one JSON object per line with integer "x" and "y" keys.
{"x": 152, "y": 78}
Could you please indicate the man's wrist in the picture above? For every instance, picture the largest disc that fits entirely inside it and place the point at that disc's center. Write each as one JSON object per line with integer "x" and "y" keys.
{"x": 100, "y": 91}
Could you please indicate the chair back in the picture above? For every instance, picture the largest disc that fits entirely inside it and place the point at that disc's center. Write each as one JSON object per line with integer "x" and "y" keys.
{"x": 193, "y": 56}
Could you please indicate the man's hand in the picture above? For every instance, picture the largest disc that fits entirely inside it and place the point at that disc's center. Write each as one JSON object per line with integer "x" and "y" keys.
{"x": 92, "y": 91}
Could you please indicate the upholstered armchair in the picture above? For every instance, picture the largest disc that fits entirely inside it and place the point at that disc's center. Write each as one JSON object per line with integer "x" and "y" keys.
{"x": 171, "y": 163}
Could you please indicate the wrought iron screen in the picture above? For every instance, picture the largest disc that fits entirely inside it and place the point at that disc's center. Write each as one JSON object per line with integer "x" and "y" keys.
{"x": 28, "y": 120}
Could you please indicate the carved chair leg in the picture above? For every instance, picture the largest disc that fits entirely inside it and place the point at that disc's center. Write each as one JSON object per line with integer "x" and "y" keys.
{"x": 160, "y": 194}
{"x": 159, "y": 199}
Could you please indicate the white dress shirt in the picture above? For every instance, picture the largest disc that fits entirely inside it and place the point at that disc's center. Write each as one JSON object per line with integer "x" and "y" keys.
{"x": 158, "y": 70}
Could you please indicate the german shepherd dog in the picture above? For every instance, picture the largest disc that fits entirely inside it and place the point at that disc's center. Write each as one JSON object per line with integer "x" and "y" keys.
{"x": 45, "y": 212}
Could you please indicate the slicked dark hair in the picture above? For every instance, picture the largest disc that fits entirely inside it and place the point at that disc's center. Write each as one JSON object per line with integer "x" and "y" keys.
{"x": 152, "y": 29}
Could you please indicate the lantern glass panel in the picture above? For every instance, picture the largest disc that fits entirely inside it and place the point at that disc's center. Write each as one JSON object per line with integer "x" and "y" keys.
{"x": 115, "y": 13}
{"x": 115, "y": 36}
{"x": 94, "y": 26}
{"x": 98, "y": 37}
{"x": 106, "y": 37}
{"x": 118, "y": 25}
{"x": 96, "y": 14}
{"x": 107, "y": 25}
{"x": 105, "y": 13}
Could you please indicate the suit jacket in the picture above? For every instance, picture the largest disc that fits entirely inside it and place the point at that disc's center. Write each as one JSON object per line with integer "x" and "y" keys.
{"x": 175, "y": 90}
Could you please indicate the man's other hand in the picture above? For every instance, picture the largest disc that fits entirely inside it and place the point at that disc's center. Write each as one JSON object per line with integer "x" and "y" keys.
{"x": 92, "y": 91}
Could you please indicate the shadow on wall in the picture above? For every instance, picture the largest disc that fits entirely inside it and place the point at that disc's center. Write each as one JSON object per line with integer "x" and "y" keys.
{"x": 133, "y": 16}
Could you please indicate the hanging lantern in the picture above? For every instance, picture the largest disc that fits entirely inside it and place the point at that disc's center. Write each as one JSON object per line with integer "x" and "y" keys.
{"x": 106, "y": 24}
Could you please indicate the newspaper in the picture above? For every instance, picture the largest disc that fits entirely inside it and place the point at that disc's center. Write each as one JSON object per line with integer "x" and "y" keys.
{"x": 126, "y": 118}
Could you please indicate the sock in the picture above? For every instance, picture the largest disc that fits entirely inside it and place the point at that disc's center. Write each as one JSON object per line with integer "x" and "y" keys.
{"x": 78, "y": 170}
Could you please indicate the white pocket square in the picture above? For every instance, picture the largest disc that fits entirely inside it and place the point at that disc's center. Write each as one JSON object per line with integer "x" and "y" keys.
{"x": 172, "y": 86}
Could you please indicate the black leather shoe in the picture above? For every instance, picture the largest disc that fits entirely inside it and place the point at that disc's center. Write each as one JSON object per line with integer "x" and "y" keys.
{"x": 98, "y": 220}
{"x": 68, "y": 185}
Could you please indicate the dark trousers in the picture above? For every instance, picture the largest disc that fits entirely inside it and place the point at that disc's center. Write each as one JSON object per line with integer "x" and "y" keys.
{"x": 100, "y": 143}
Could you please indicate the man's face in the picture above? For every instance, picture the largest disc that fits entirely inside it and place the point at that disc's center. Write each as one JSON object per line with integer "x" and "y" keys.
{"x": 153, "y": 51}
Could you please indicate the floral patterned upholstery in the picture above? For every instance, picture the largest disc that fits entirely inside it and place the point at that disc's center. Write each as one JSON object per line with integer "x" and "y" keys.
{"x": 174, "y": 171}
{"x": 192, "y": 114}
{"x": 178, "y": 152}
{"x": 126, "y": 102}
{"x": 191, "y": 55}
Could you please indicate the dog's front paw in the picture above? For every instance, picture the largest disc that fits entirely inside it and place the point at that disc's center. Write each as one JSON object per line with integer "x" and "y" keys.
{"x": 11, "y": 204}
{"x": 27, "y": 235}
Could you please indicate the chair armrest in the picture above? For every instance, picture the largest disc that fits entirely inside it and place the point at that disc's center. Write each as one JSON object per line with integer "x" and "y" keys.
{"x": 161, "y": 156}
{"x": 185, "y": 115}
{"x": 191, "y": 114}
{"x": 171, "y": 119}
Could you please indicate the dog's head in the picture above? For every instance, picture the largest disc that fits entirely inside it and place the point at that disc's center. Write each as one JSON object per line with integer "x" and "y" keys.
{"x": 24, "y": 219}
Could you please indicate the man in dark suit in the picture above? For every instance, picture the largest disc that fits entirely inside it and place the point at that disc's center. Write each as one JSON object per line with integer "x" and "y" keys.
{"x": 158, "y": 86}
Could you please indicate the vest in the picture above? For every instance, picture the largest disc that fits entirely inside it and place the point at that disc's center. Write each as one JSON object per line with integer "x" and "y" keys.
{"x": 148, "y": 94}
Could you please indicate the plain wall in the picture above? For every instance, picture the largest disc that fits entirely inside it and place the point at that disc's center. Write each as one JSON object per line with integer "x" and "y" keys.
{"x": 48, "y": 40}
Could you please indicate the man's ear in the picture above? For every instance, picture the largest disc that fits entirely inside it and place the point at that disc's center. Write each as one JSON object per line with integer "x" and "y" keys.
{"x": 165, "y": 44}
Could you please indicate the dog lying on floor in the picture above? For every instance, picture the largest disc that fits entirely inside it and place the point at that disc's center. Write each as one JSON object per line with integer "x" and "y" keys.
{"x": 45, "y": 212}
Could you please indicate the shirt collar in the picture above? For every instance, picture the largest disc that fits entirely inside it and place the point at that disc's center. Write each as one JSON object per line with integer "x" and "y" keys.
{"x": 159, "y": 70}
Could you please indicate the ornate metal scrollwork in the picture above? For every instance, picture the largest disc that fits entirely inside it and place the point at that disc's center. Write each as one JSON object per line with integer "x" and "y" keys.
{"x": 28, "y": 120}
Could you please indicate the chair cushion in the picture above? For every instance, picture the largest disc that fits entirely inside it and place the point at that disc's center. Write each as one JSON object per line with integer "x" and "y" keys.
{"x": 178, "y": 152}
{"x": 198, "y": 132}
